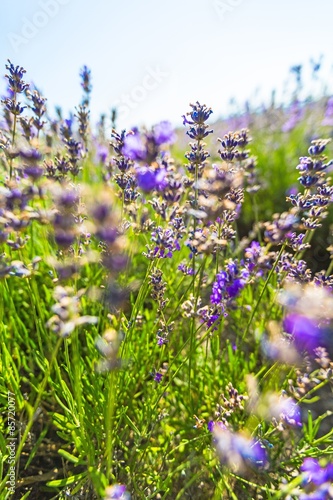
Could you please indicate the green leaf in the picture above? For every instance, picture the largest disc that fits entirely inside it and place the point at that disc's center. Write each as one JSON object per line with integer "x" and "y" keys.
{"x": 59, "y": 483}
{"x": 68, "y": 456}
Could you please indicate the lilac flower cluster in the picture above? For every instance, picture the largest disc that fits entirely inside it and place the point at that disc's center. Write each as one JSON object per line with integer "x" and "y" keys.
{"x": 38, "y": 107}
{"x": 158, "y": 288}
{"x": 145, "y": 147}
{"x": 233, "y": 147}
{"x": 312, "y": 167}
{"x": 85, "y": 75}
{"x": 228, "y": 283}
{"x": 226, "y": 288}
{"x": 165, "y": 243}
{"x": 318, "y": 193}
{"x": 140, "y": 152}
{"x": 198, "y": 131}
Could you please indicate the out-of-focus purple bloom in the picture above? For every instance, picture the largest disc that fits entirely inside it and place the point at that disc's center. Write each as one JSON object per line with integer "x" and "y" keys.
{"x": 279, "y": 348}
{"x": 321, "y": 494}
{"x": 289, "y": 411}
{"x": 149, "y": 179}
{"x": 102, "y": 152}
{"x": 328, "y": 119}
{"x": 31, "y": 155}
{"x": 211, "y": 424}
{"x": 85, "y": 74}
{"x": 239, "y": 452}
{"x": 307, "y": 335}
{"x": 116, "y": 492}
{"x": 163, "y": 133}
{"x": 33, "y": 171}
{"x": 312, "y": 472}
{"x": 295, "y": 116}
{"x": 134, "y": 147}
{"x": 107, "y": 234}
{"x": 64, "y": 238}
{"x": 316, "y": 479}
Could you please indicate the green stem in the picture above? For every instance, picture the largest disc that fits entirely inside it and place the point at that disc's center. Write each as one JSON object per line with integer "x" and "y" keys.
{"x": 109, "y": 420}
{"x": 254, "y": 310}
{"x": 256, "y": 217}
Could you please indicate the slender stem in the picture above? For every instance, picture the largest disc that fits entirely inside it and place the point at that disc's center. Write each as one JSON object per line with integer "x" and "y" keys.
{"x": 192, "y": 338}
{"x": 329, "y": 269}
{"x": 254, "y": 310}
{"x": 256, "y": 216}
{"x": 109, "y": 421}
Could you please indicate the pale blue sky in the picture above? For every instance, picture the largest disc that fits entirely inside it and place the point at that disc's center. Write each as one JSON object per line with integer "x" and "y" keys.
{"x": 153, "y": 57}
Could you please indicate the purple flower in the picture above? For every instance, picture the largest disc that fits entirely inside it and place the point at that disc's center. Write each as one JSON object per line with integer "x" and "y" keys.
{"x": 149, "y": 179}
{"x": 102, "y": 152}
{"x": 163, "y": 133}
{"x": 328, "y": 120}
{"x": 295, "y": 116}
{"x": 133, "y": 147}
{"x": 211, "y": 424}
{"x": 186, "y": 269}
{"x": 107, "y": 234}
{"x": 15, "y": 78}
{"x": 166, "y": 243}
{"x": 253, "y": 251}
{"x": 218, "y": 287}
{"x": 228, "y": 284}
{"x": 238, "y": 451}
{"x": 235, "y": 287}
{"x": 307, "y": 335}
{"x": 158, "y": 377}
{"x": 116, "y": 492}
{"x": 34, "y": 171}
{"x": 31, "y": 155}
{"x": 316, "y": 479}
{"x": 289, "y": 412}
{"x": 85, "y": 74}
{"x": 321, "y": 494}
{"x": 312, "y": 472}
{"x": 64, "y": 239}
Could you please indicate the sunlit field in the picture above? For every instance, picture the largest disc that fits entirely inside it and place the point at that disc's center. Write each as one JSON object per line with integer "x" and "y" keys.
{"x": 166, "y": 302}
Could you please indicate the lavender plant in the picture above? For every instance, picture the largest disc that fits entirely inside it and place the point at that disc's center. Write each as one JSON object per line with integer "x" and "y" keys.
{"x": 163, "y": 332}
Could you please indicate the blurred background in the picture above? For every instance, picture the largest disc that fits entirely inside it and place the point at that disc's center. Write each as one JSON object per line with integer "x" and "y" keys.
{"x": 151, "y": 58}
